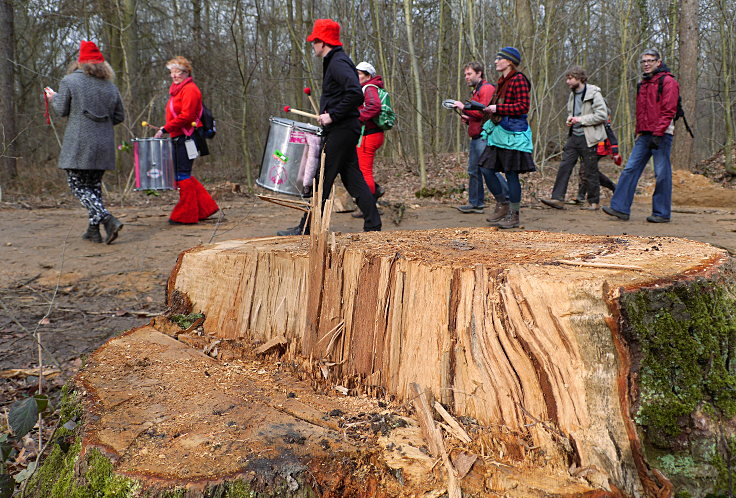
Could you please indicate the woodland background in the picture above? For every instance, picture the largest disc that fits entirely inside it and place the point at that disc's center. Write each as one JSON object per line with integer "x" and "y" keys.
{"x": 250, "y": 59}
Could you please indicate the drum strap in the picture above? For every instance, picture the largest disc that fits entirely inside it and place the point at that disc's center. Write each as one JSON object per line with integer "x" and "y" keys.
{"x": 190, "y": 130}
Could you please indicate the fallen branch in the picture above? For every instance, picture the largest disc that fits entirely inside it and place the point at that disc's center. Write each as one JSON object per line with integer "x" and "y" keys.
{"x": 457, "y": 429}
{"x": 609, "y": 266}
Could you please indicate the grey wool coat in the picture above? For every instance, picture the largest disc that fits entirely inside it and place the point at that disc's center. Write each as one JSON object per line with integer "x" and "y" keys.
{"x": 93, "y": 106}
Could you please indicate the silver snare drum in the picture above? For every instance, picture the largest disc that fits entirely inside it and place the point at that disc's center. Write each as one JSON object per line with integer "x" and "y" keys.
{"x": 291, "y": 156}
{"x": 154, "y": 164}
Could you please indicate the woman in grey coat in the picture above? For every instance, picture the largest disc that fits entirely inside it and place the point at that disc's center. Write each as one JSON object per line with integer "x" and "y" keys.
{"x": 92, "y": 103}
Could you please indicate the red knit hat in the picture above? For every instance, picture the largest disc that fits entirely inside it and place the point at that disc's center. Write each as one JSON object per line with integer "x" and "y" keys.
{"x": 89, "y": 53}
{"x": 326, "y": 30}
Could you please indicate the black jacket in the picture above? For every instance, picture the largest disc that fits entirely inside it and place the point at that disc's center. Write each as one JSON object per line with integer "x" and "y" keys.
{"x": 341, "y": 92}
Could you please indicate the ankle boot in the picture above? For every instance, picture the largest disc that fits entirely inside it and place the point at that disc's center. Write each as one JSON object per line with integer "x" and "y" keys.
{"x": 112, "y": 227}
{"x": 501, "y": 210}
{"x": 93, "y": 234}
{"x": 511, "y": 220}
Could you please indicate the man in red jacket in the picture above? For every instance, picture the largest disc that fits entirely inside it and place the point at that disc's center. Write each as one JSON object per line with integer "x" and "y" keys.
{"x": 656, "y": 105}
{"x": 482, "y": 93}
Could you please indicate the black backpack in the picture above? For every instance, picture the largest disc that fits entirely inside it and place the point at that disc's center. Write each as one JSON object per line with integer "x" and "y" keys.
{"x": 680, "y": 112}
{"x": 209, "y": 125}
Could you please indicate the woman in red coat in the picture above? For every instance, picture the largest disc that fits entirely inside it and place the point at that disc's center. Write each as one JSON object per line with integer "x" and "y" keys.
{"x": 183, "y": 113}
{"x": 372, "y": 136}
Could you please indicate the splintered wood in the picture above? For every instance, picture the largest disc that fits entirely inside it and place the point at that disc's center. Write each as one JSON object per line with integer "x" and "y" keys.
{"x": 508, "y": 328}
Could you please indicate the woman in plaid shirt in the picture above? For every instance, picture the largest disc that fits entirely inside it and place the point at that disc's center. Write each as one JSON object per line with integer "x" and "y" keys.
{"x": 507, "y": 133}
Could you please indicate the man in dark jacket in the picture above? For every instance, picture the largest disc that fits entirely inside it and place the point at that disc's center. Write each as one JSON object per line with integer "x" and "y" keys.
{"x": 341, "y": 97}
{"x": 656, "y": 106}
{"x": 481, "y": 93}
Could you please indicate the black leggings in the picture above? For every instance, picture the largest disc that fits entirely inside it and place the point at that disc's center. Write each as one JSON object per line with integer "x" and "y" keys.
{"x": 86, "y": 185}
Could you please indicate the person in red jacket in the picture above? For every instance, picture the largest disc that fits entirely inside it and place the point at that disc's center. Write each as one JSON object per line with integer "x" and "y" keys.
{"x": 372, "y": 136}
{"x": 482, "y": 93}
{"x": 656, "y": 105}
{"x": 183, "y": 113}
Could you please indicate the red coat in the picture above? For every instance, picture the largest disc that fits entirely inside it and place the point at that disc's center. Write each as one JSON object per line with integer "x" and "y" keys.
{"x": 371, "y": 107}
{"x": 654, "y": 112}
{"x": 187, "y": 104}
{"x": 482, "y": 93}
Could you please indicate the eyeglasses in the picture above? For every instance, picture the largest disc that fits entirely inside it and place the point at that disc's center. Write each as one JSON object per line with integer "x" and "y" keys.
{"x": 644, "y": 62}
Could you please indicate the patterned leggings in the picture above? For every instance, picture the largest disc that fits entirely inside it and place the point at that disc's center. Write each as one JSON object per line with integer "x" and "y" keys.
{"x": 86, "y": 185}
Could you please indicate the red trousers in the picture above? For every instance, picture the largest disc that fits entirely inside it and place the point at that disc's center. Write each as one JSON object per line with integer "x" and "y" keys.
{"x": 195, "y": 203}
{"x": 369, "y": 144}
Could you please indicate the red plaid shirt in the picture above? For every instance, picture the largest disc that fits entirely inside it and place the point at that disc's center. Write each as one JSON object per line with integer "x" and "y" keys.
{"x": 516, "y": 100}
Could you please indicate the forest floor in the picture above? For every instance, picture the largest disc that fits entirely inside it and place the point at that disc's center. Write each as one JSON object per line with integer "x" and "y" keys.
{"x": 75, "y": 294}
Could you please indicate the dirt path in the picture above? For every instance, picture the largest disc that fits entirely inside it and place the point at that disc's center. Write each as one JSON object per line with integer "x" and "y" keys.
{"x": 90, "y": 292}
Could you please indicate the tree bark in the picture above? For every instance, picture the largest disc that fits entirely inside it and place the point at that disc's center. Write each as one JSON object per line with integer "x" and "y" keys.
{"x": 8, "y": 149}
{"x": 689, "y": 42}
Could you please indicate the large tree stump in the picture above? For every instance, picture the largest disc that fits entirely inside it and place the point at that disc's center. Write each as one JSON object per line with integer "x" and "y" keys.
{"x": 578, "y": 365}
{"x": 530, "y": 330}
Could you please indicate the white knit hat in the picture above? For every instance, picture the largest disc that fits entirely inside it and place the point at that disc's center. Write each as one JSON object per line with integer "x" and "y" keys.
{"x": 366, "y": 67}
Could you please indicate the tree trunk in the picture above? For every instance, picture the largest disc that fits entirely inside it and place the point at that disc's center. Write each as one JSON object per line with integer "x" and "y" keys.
{"x": 571, "y": 340}
{"x": 682, "y": 156}
{"x": 8, "y": 137}
{"x": 418, "y": 105}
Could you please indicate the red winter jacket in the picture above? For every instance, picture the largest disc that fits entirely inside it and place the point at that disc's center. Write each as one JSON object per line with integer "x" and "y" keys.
{"x": 655, "y": 112}
{"x": 371, "y": 107}
{"x": 482, "y": 93}
{"x": 187, "y": 104}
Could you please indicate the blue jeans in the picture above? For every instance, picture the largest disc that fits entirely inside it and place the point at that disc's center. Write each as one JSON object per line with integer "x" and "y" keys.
{"x": 495, "y": 181}
{"x": 626, "y": 187}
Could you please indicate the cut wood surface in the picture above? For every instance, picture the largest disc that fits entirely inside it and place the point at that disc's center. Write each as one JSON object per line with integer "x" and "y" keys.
{"x": 502, "y": 327}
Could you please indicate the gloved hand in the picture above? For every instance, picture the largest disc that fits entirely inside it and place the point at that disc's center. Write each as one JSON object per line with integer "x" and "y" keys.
{"x": 655, "y": 142}
{"x": 617, "y": 159}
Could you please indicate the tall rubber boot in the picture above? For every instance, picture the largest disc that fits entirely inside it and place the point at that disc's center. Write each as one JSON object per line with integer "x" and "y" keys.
{"x": 186, "y": 211}
{"x": 206, "y": 205}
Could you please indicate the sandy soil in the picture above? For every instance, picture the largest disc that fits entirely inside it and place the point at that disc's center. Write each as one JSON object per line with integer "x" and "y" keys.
{"x": 76, "y": 294}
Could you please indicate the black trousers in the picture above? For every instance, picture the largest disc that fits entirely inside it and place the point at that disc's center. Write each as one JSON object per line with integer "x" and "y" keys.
{"x": 341, "y": 158}
{"x": 577, "y": 147}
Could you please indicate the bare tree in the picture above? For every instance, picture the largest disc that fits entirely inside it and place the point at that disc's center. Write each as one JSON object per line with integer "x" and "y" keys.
{"x": 688, "y": 44}
{"x": 8, "y": 167}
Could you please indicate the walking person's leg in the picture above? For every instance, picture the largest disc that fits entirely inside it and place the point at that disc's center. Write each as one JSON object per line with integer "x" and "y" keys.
{"x": 623, "y": 197}
{"x": 476, "y": 193}
{"x": 570, "y": 154}
{"x": 86, "y": 186}
{"x": 341, "y": 151}
{"x": 662, "y": 197}
{"x": 589, "y": 168}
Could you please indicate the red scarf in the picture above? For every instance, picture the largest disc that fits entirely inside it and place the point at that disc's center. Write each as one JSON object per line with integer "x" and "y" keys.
{"x": 176, "y": 87}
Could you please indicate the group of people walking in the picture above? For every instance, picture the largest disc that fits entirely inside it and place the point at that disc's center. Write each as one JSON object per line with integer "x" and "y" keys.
{"x": 500, "y": 140}
{"x": 92, "y": 103}
{"x": 500, "y": 149}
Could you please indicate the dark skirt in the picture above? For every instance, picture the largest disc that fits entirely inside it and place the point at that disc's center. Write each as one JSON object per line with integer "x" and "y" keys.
{"x": 506, "y": 160}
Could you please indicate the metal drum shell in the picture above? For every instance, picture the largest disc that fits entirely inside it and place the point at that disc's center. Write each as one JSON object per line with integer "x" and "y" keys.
{"x": 283, "y": 162}
{"x": 154, "y": 164}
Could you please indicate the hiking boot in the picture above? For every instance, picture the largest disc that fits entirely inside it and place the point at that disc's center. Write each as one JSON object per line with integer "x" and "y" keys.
{"x": 657, "y": 219}
{"x": 112, "y": 227}
{"x": 499, "y": 212}
{"x": 591, "y": 207}
{"x": 379, "y": 192}
{"x": 618, "y": 214}
{"x": 93, "y": 234}
{"x": 469, "y": 208}
{"x": 553, "y": 203}
{"x": 511, "y": 220}
{"x": 357, "y": 214}
{"x": 575, "y": 202}
{"x": 297, "y": 230}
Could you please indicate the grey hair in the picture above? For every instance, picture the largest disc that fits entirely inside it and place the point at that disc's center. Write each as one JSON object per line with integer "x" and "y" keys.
{"x": 653, "y": 52}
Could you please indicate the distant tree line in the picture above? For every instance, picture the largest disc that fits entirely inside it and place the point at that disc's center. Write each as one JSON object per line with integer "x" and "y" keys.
{"x": 250, "y": 59}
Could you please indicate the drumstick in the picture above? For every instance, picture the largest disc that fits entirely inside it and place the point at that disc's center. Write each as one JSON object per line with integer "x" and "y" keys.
{"x": 301, "y": 113}
{"x": 308, "y": 91}
{"x": 146, "y": 123}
